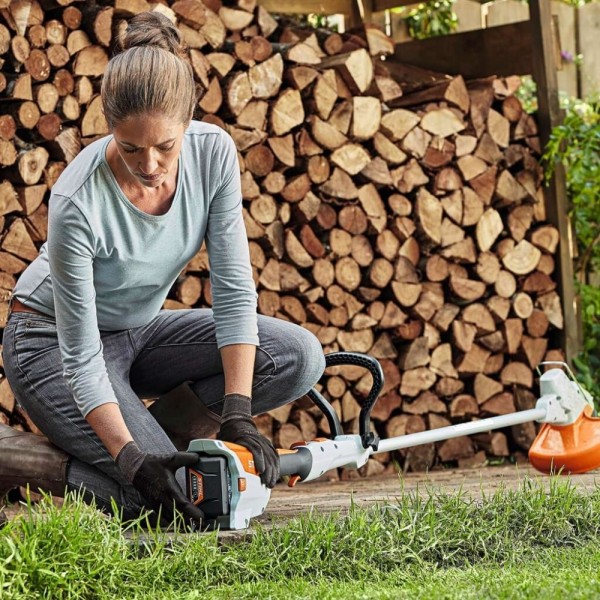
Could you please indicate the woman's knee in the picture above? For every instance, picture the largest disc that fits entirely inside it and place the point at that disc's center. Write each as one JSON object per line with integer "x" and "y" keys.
{"x": 305, "y": 361}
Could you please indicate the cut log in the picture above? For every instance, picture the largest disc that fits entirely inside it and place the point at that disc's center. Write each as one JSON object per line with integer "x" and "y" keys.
{"x": 534, "y": 349}
{"x": 456, "y": 448}
{"x": 366, "y": 117}
{"x": 325, "y": 93}
{"x": 355, "y": 68}
{"x": 550, "y": 304}
{"x": 488, "y": 229}
{"x": 485, "y": 387}
{"x": 325, "y": 134}
{"x": 464, "y": 405}
{"x": 519, "y": 221}
{"x": 522, "y": 259}
{"x": 467, "y": 289}
{"x": 429, "y": 211}
{"x": 94, "y": 122}
{"x": 506, "y": 284}
{"x": 463, "y": 335}
{"x": 416, "y": 381}
{"x": 414, "y": 355}
{"x": 287, "y": 435}
{"x": 522, "y": 305}
{"x": 537, "y": 324}
{"x": 18, "y": 242}
{"x": 473, "y": 361}
{"x": 442, "y": 122}
{"x": 90, "y": 61}
{"x": 265, "y": 80}
{"x": 353, "y": 158}
{"x": 397, "y": 123}
{"x": 517, "y": 373}
{"x": 546, "y": 238}
{"x": 339, "y": 185}
{"x": 391, "y": 153}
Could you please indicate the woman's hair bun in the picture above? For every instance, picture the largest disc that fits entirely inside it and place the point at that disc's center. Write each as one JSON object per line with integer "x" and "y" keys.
{"x": 152, "y": 29}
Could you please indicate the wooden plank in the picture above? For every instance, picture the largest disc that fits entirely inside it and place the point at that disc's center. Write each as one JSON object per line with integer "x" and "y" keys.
{"x": 567, "y": 75}
{"x": 360, "y": 10}
{"x": 503, "y": 12}
{"x": 504, "y": 50}
{"x": 388, "y": 4}
{"x": 469, "y": 15}
{"x": 557, "y": 205}
{"x": 365, "y": 9}
{"x": 305, "y": 7}
{"x": 589, "y": 26}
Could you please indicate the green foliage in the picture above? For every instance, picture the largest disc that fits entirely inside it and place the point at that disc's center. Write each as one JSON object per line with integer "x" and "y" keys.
{"x": 527, "y": 94}
{"x": 576, "y": 144}
{"x": 588, "y": 361}
{"x": 578, "y": 3}
{"x": 432, "y": 18}
{"x": 317, "y": 21}
{"x": 426, "y": 538}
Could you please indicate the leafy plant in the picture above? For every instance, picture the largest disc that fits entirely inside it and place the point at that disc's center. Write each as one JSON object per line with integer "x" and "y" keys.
{"x": 317, "y": 21}
{"x": 527, "y": 94}
{"x": 576, "y": 144}
{"x": 432, "y": 18}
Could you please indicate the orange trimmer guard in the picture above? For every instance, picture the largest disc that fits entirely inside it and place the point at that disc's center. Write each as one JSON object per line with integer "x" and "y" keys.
{"x": 567, "y": 449}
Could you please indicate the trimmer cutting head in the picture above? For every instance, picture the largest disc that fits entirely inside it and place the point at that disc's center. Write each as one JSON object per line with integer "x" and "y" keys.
{"x": 569, "y": 443}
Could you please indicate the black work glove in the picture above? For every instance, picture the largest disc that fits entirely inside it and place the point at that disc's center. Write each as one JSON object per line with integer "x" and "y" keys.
{"x": 238, "y": 427}
{"x": 153, "y": 476}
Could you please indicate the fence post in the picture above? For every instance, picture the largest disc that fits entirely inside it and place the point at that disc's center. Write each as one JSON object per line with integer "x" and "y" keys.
{"x": 557, "y": 205}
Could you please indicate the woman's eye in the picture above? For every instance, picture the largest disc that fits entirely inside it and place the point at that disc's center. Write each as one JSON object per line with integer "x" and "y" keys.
{"x": 160, "y": 148}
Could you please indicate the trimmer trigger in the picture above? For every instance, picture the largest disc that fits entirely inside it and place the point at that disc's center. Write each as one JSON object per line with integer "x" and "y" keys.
{"x": 294, "y": 479}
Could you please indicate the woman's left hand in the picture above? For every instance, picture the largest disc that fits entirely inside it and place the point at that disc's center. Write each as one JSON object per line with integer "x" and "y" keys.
{"x": 238, "y": 427}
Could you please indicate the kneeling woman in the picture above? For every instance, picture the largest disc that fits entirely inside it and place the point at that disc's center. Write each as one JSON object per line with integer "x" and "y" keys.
{"x": 86, "y": 337}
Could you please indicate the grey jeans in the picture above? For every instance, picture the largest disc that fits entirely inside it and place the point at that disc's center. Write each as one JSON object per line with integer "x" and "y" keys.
{"x": 146, "y": 362}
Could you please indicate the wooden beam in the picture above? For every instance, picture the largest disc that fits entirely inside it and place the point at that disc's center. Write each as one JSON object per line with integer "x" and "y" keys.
{"x": 355, "y": 18}
{"x": 379, "y": 5}
{"x": 504, "y": 50}
{"x": 306, "y": 7}
{"x": 557, "y": 203}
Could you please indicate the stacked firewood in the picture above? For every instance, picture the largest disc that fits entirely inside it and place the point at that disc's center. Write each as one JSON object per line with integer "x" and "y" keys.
{"x": 390, "y": 210}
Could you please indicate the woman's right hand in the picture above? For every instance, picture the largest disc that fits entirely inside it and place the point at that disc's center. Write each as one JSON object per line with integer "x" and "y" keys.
{"x": 153, "y": 476}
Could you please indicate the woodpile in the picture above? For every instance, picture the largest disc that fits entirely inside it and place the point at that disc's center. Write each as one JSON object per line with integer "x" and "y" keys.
{"x": 388, "y": 212}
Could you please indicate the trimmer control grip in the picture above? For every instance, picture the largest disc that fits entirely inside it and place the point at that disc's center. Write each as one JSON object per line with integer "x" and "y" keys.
{"x": 296, "y": 462}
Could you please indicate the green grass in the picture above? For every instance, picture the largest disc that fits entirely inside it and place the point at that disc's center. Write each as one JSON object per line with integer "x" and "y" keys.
{"x": 529, "y": 543}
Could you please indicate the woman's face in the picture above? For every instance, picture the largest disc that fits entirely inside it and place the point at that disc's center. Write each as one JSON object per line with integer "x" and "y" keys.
{"x": 149, "y": 146}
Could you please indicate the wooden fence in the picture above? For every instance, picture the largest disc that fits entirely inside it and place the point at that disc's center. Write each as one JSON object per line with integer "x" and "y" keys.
{"x": 578, "y": 30}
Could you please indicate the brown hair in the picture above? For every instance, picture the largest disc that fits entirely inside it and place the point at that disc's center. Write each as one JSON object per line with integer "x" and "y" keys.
{"x": 150, "y": 74}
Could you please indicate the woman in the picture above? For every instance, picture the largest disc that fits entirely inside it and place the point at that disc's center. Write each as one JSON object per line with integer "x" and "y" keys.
{"x": 86, "y": 337}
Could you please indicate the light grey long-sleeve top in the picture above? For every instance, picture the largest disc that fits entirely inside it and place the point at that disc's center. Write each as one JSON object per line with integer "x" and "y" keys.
{"x": 109, "y": 266}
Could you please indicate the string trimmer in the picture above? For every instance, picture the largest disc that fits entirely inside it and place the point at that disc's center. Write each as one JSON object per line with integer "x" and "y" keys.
{"x": 226, "y": 487}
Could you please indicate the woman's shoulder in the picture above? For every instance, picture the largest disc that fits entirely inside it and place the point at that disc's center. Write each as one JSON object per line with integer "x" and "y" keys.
{"x": 202, "y": 134}
{"x": 81, "y": 169}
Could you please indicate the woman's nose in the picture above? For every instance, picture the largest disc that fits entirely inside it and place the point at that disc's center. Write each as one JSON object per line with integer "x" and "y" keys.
{"x": 148, "y": 163}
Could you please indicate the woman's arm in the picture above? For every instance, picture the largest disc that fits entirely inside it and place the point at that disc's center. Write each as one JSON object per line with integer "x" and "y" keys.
{"x": 107, "y": 421}
{"x": 238, "y": 368}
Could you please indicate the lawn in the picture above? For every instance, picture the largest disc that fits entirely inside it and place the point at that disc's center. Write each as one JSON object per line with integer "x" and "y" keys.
{"x": 527, "y": 543}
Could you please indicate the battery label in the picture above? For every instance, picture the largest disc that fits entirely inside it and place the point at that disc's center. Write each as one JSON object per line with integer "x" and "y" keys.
{"x": 196, "y": 486}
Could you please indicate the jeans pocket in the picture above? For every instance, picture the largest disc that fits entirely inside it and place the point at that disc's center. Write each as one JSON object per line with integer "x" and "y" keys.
{"x": 33, "y": 338}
